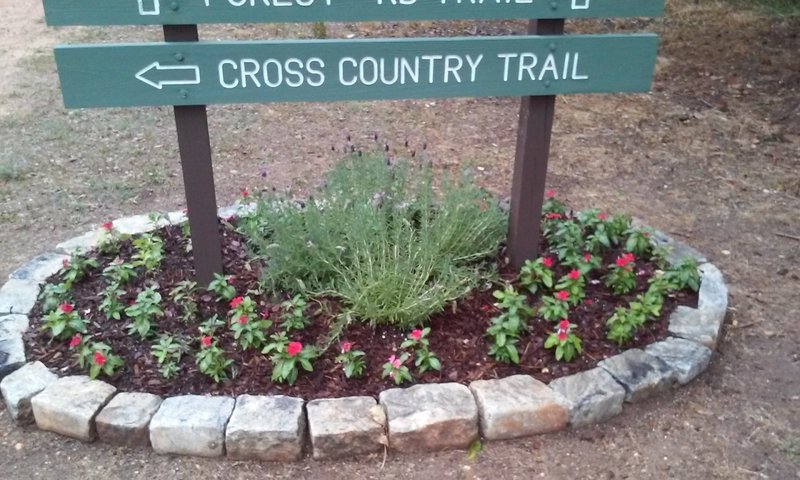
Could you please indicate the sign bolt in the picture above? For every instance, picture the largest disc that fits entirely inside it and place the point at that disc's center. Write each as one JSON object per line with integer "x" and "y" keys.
{"x": 547, "y": 83}
{"x": 174, "y": 6}
{"x": 552, "y": 47}
{"x": 183, "y": 93}
{"x": 554, "y": 5}
{"x": 179, "y": 57}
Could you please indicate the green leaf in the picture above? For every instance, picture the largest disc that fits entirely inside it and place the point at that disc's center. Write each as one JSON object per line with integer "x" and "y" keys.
{"x": 474, "y": 449}
{"x": 434, "y": 363}
{"x": 513, "y": 354}
{"x": 551, "y": 341}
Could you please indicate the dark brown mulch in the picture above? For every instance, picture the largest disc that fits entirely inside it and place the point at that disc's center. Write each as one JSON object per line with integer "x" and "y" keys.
{"x": 457, "y": 335}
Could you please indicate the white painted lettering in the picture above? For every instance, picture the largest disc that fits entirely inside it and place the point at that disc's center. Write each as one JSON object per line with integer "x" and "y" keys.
{"x": 506, "y": 60}
{"x": 473, "y": 65}
{"x": 235, "y": 82}
{"x": 352, "y": 61}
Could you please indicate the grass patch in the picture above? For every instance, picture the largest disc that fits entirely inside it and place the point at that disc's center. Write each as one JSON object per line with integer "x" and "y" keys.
{"x": 12, "y": 170}
{"x": 383, "y": 239}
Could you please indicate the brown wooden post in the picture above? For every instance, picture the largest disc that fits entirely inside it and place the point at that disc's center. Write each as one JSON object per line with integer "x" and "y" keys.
{"x": 530, "y": 164}
{"x": 194, "y": 144}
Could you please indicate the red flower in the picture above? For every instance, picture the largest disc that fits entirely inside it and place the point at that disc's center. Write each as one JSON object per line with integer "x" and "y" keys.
{"x": 415, "y": 334}
{"x": 245, "y": 193}
{"x": 588, "y": 302}
{"x": 602, "y": 216}
{"x": 243, "y": 319}
{"x": 64, "y": 263}
{"x": 67, "y": 308}
{"x": 236, "y": 302}
{"x": 108, "y": 226}
{"x": 75, "y": 341}
{"x": 563, "y": 325}
{"x": 205, "y": 341}
{"x": 486, "y": 308}
{"x": 99, "y": 359}
{"x": 587, "y": 257}
{"x": 550, "y": 193}
{"x": 574, "y": 274}
{"x": 625, "y": 259}
{"x": 562, "y": 295}
{"x": 562, "y": 336}
{"x": 553, "y": 216}
{"x": 346, "y": 346}
{"x": 265, "y": 313}
{"x": 547, "y": 262}
{"x": 294, "y": 348}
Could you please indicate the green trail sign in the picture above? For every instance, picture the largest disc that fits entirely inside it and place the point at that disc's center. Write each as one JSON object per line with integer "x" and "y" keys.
{"x": 187, "y": 12}
{"x": 190, "y": 74}
{"x": 328, "y": 70}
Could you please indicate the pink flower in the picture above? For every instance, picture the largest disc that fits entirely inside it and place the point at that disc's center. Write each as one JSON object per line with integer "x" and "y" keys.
{"x": 415, "y": 334}
{"x": 108, "y": 226}
{"x": 99, "y": 359}
{"x": 205, "y": 341}
{"x": 574, "y": 274}
{"x": 64, "y": 263}
{"x": 265, "y": 313}
{"x": 547, "y": 262}
{"x": 587, "y": 257}
{"x": 602, "y": 216}
{"x": 553, "y": 216}
{"x": 395, "y": 362}
{"x": 346, "y": 346}
{"x": 563, "y": 325}
{"x": 550, "y": 193}
{"x": 75, "y": 341}
{"x": 236, "y": 302}
{"x": 588, "y": 302}
{"x": 243, "y": 320}
{"x": 562, "y": 336}
{"x": 294, "y": 348}
{"x": 66, "y": 308}
{"x": 562, "y": 295}
{"x": 230, "y": 279}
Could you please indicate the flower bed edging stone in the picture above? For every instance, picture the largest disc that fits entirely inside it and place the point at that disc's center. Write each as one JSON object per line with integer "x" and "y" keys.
{"x": 342, "y": 427}
{"x": 424, "y": 418}
{"x": 191, "y": 425}
{"x": 126, "y": 418}
{"x": 419, "y": 418}
{"x": 266, "y": 428}
{"x": 69, "y": 405}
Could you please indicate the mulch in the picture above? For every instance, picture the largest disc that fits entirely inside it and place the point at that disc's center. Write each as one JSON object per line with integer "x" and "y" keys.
{"x": 457, "y": 334}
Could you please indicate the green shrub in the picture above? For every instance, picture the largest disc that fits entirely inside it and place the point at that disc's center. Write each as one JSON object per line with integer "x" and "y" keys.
{"x": 379, "y": 238}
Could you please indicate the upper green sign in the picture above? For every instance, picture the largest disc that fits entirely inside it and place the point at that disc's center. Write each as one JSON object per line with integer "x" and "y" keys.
{"x": 327, "y": 70}
{"x": 187, "y": 12}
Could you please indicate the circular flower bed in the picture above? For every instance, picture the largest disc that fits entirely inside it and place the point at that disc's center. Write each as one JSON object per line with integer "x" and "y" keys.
{"x": 376, "y": 281}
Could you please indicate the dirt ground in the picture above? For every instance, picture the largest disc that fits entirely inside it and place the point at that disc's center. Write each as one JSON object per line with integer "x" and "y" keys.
{"x": 711, "y": 156}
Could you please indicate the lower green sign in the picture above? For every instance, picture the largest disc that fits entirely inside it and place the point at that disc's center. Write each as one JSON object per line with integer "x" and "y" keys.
{"x": 201, "y": 73}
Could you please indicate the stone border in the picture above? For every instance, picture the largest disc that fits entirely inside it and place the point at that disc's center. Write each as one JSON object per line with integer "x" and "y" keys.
{"x": 424, "y": 417}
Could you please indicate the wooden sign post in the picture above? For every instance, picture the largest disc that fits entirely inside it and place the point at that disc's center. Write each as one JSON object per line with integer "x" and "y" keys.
{"x": 189, "y": 74}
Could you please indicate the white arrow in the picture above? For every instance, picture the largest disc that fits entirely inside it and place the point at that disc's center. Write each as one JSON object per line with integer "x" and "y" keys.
{"x": 149, "y": 7}
{"x": 159, "y": 84}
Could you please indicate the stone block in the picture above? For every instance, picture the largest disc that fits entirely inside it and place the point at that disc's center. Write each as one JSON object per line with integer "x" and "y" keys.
{"x": 266, "y": 428}
{"x": 695, "y": 325}
{"x": 82, "y": 243}
{"x": 137, "y": 224}
{"x": 69, "y": 405}
{"x": 20, "y": 386}
{"x": 426, "y": 418}
{"x": 125, "y": 420}
{"x": 13, "y": 325}
{"x": 593, "y": 396}
{"x": 18, "y": 296}
{"x": 12, "y": 354}
{"x": 346, "y": 427}
{"x": 191, "y": 425}
{"x": 40, "y": 267}
{"x": 518, "y": 406}
{"x": 686, "y": 358}
{"x": 640, "y": 374}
